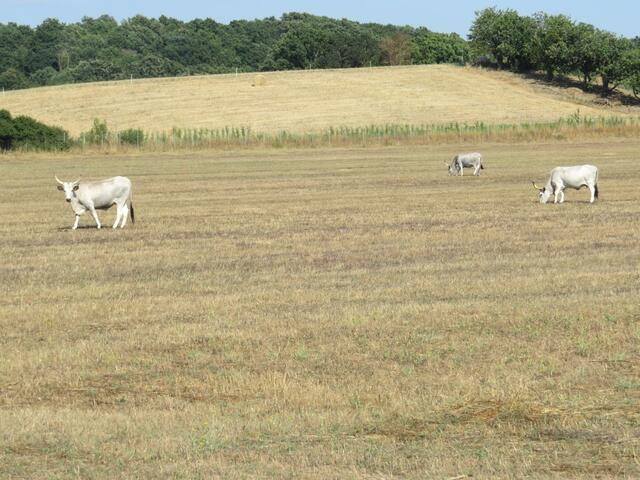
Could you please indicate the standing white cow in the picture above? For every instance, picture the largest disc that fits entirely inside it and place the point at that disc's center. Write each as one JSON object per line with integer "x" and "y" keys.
{"x": 465, "y": 160}
{"x": 571, "y": 177}
{"x": 100, "y": 195}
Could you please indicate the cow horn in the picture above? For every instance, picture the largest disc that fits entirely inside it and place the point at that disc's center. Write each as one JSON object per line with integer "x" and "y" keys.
{"x": 445, "y": 164}
{"x": 76, "y": 182}
{"x": 58, "y": 180}
{"x": 535, "y": 186}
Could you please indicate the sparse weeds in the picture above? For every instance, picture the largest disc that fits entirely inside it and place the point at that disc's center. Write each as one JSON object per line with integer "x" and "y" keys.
{"x": 205, "y": 440}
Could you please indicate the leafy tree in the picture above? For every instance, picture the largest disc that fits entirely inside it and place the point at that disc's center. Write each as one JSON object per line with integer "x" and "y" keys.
{"x": 506, "y": 36}
{"x": 320, "y": 42}
{"x": 15, "y": 46}
{"x": 555, "y": 42}
{"x": 13, "y": 79}
{"x": 632, "y": 61}
{"x": 252, "y": 40}
{"x": 44, "y": 76}
{"x": 590, "y": 52}
{"x": 300, "y": 48}
{"x": 396, "y": 49}
{"x": 615, "y": 67}
{"x": 48, "y": 41}
{"x": 431, "y": 47}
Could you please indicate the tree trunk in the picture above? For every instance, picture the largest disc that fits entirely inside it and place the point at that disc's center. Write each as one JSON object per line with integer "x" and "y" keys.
{"x": 605, "y": 85}
{"x": 549, "y": 74}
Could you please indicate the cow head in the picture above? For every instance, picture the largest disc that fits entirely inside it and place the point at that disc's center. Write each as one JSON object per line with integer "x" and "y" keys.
{"x": 452, "y": 170}
{"x": 68, "y": 188}
{"x": 544, "y": 193}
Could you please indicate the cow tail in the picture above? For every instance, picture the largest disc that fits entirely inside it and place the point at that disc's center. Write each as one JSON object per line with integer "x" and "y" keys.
{"x": 481, "y": 166}
{"x": 595, "y": 188}
{"x": 133, "y": 215}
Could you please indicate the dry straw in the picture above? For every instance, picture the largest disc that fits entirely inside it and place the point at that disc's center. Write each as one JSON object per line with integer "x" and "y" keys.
{"x": 259, "y": 81}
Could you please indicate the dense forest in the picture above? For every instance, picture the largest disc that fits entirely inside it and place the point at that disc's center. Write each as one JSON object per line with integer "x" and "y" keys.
{"x": 103, "y": 49}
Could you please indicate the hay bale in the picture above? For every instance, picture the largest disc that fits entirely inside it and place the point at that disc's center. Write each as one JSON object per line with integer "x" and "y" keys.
{"x": 259, "y": 81}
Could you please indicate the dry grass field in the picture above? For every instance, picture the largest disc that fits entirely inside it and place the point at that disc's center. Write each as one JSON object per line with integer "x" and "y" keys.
{"x": 305, "y": 101}
{"x": 338, "y": 313}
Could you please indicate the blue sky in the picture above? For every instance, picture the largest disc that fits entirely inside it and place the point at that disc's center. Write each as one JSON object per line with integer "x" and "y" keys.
{"x": 619, "y": 16}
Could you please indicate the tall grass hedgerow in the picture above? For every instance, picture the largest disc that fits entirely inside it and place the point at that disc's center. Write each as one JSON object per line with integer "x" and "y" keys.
{"x": 571, "y": 127}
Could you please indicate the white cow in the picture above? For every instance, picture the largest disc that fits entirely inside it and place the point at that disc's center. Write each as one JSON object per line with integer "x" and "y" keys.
{"x": 100, "y": 195}
{"x": 465, "y": 160}
{"x": 571, "y": 177}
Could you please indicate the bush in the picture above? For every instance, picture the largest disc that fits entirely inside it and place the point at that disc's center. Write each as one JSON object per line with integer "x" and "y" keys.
{"x": 7, "y": 130}
{"x": 98, "y": 134}
{"x": 132, "y": 136}
{"x": 25, "y": 132}
{"x": 31, "y": 134}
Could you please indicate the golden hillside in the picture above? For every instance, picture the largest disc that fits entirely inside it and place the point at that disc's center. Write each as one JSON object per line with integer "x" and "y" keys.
{"x": 300, "y": 101}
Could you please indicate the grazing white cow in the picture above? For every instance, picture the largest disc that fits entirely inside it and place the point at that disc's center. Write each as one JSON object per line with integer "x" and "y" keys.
{"x": 465, "y": 160}
{"x": 571, "y": 177}
{"x": 100, "y": 195}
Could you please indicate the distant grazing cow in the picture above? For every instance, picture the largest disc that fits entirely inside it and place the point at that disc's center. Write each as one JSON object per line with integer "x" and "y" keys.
{"x": 571, "y": 177}
{"x": 101, "y": 195}
{"x": 465, "y": 160}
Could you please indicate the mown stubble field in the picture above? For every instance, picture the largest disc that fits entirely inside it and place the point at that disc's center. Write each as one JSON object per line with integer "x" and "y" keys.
{"x": 339, "y": 313}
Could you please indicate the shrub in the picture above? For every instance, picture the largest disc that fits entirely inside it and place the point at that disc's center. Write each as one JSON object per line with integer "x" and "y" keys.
{"x": 25, "y": 132}
{"x": 98, "y": 134}
{"x": 132, "y": 136}
{"x": 7, "y": 130}
{"x": 31, "y": 134}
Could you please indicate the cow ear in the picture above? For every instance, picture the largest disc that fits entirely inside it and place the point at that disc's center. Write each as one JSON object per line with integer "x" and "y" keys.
{"x": 60, "y": 187}
{"x": 76, "y": 187}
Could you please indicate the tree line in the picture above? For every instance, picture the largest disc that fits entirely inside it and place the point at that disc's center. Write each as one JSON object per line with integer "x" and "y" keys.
{"x": 102, "y": 49}
{"x": 556, "y": 45}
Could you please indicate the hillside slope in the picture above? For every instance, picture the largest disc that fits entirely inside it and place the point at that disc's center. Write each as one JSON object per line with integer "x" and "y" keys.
{"x": 300, "y": 101}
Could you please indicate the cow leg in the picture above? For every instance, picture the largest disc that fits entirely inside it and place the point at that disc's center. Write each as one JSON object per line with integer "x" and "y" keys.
{"x": 75, "y": 224}
{"x": 95, "y": 217}
{"x": 561, "y": 196}
{"x": 118, "y": 215}
{"x": 477, "y": 171}
{"x": 593, "y": 193}
{"x": 125, "y": 214}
